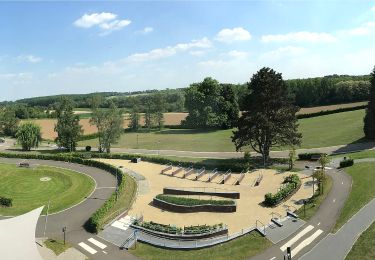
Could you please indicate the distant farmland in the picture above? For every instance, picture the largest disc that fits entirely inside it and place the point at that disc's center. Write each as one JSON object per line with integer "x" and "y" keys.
{"x": 48, "y": 125}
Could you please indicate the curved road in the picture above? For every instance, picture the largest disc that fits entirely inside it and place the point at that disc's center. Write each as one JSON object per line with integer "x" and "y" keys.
{"x": 75, "y": 217}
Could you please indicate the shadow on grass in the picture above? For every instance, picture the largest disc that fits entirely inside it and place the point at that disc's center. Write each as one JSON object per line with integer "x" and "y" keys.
{"x": 360, "y": 144}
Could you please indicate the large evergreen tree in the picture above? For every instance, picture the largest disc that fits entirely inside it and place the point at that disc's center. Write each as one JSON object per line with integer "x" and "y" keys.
{"x": 67, "y": 127}
{"x": 369, "y": 127}
{"x": 269, "y": 118}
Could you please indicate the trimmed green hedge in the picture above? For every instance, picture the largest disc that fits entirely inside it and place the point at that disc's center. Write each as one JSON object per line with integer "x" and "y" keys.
{"x": 292, "y": 182}
{"x": 6, "y": 202}
{"x": 96, "y": 221}
{"x": 192, "y": 202}
{"x": 346, "y": 163}
{"x": 171, "y": 229}
{"x": 329, "y": 112}
{"x": 308, "y": 156}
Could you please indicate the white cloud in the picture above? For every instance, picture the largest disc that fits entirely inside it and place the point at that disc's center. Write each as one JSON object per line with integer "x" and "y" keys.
{"x": 373, "y": 8}
{"x": 232, "y": 35}
{"x": 302, "y": 36}
{"x": 107, "y": 22}
{"x": 364, "y": 29}
{"x": 238, "y": 54}
{"x": 147, "y": 30}
{"x": 212, "y": 63}
{"x": 170, "y": 50}
{"x": 197, "y": 53}
{"x": 89, "y": 20}
{"x": 29, "y": 58}
{"x": 282, "y": 52}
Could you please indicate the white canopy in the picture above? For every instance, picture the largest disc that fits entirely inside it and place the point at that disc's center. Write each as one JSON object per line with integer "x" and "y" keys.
{"x": 17, "y": 237}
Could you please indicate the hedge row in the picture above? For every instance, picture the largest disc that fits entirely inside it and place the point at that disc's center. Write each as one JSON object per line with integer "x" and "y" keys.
{"x": 6, "y": 202}
{"x": 96, "y": 221}
{"x": 171, "y": 229}
{"x": 329, "y": 112}
{"x": 292, "y": 182}
{"x": 308, "y": 156}
{"x": 236, "y": 165}
{"x": 346, "y": 163}
{"x": 192, "y": 202}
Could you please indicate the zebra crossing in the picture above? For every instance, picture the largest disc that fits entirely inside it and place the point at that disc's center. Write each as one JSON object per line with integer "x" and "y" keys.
{"x": 304, "y": 237}
{"x": 123, "y": 223}
{"x": 92, "y": 246}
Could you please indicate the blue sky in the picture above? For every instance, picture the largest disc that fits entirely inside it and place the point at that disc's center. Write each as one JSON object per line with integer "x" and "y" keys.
{"x": 80, "y": 47}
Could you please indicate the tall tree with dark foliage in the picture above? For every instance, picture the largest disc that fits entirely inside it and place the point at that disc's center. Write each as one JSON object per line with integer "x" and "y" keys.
{"x": 369, "y": 127}
{"x": 269, "y": 118}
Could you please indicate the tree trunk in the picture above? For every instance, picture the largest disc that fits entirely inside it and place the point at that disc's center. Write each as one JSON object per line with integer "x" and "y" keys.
{"x": 265, "y": 155}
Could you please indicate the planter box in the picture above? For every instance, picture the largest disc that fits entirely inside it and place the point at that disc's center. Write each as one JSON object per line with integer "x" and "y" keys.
{"x": 197, "y": 208}
{"x": 174, "y": 191}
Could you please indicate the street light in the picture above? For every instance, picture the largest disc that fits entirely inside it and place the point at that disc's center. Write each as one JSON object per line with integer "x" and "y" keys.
{"x": 64, "y": 232}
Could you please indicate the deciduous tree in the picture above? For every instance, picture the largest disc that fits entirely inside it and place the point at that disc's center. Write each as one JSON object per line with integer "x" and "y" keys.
{"x": 369, "y": 120}
{"x": 28, "y": 135}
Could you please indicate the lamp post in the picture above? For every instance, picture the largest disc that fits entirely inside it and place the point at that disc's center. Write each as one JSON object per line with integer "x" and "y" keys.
{"x": 64, "y": 232}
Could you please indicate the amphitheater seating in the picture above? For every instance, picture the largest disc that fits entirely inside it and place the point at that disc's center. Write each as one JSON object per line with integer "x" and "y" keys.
{"x": 200, "y": 173}
{"x": 240, "y": 178}
{"x": 179, "y": 168}
{"x": 188, "y": 172}
{"x": 226, "y": 176}
{"x": 167, "y": 168}
{"x": 214, "y": 173}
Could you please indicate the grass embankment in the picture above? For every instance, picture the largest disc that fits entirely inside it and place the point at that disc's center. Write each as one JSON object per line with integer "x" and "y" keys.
{"x": 57, "y": 246}
{"x": 241, "y": 248}
{"x": 313, "y": 206}
{"x": 329, "y": 130}
{"x": 364, "y": 247}
{"x": 65, "y": 188}
{"x": 363, "y": 175}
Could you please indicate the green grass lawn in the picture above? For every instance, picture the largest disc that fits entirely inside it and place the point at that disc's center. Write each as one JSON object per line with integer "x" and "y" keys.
{"x": 329, "y": 130}
{"x": 313, "y": 207}
{"x": 57, "y": 246}
{"x": 241, "y": 248}
{"x": 362, "y": 192}
{"x": 66, "y": 188}
{"x": 364, "y": 247}
{"x": 357, "y": 155}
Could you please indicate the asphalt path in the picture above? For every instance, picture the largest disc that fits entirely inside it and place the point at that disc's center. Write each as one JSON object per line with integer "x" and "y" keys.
{"x": 324, "y": 219}
{"x": 74, "y": 218}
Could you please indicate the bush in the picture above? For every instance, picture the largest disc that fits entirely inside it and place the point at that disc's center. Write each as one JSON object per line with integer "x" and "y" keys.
{"x": 170, "y": 229}
{"x": 346, "y": 163}
{"x": 88, "y": 148}
{"x": 192, "y": 202}
{"x": 292, "y": 182}
{"x": 309, "y": 156}
{"x": 6, "y": 202}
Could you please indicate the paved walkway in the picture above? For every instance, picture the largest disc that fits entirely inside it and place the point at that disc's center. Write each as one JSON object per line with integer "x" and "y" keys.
{"x": 319, "y": 225}
{"x": 337, "y": 246}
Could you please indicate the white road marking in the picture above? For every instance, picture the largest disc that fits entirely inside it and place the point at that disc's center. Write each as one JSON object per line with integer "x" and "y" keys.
{"x": 334, "y": 200}
{"x": 319, "y": 224}
{"x": 97, "y": 243}
{"x": 306, "y": 242}
{"x": 87, "y": 248}
{"x": 104, "y": 252}
{"x": 295, "y": 239}
{"x": 342, "y": 183}
{"x": 273, "y": 258}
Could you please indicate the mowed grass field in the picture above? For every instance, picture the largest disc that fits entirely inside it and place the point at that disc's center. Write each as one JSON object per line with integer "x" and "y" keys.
{"x": 65, "y": 188}
{"x": 329, "y": 130}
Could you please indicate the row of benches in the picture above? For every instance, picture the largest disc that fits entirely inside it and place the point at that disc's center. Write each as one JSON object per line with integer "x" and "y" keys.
{"x": 201, "y": 172}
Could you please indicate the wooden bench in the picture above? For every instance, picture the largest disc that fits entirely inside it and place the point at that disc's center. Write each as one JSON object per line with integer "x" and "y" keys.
{"x": 214, "y": 173}
{"x": 226, "y": 176}
{"x": 188, "y": 171}
{"x": 240, "y": 178}
{"x": 200, "y": 173}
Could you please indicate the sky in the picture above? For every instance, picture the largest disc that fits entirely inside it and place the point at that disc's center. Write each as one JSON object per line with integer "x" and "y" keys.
{"x": 53, "y": 47}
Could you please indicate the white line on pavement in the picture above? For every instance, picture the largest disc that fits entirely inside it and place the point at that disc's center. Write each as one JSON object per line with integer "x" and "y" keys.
{"x": 104, "y": 252}
{"x": 295, "y": 239}
{"x": 87, "y": 248}
{"x": 334, "y": 200}
{"x": 97, "y": 243}
{"x": 273, "y": 258}
{"x": 306, "y": 242}
{"x": 319, "y": 224}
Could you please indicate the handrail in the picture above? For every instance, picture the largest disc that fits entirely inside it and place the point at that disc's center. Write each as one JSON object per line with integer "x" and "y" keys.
{"x": 264, "y": 227}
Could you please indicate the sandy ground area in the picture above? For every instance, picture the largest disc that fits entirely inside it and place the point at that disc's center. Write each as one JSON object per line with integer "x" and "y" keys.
{"x": 248, "y": 206}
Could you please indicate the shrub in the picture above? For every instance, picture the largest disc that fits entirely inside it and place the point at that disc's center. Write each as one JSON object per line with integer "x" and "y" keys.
{"x": 6, "y": 202}
{"x": 192, "y": 202}
{"x": 346, "y": 163}
{"x": 88, "y": 148}
{"x": 309, "y": 156}
{"x": 291, "y": 183}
